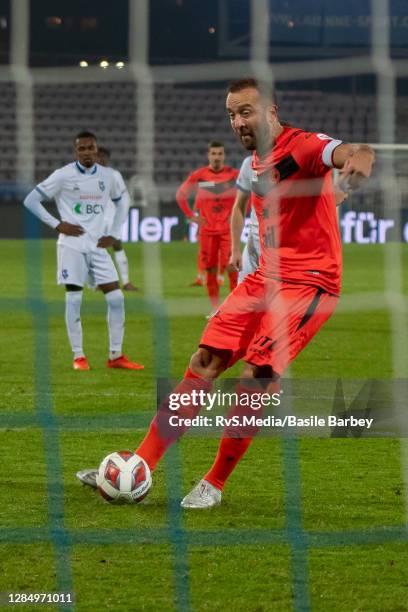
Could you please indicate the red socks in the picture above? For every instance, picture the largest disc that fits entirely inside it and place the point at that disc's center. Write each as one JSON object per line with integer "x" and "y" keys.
{"x": 161, "y": 434}
{"x": 229, "y": 454}
{"x": 153, "y": 446}
{"x": 213, "y": 289}
{"x": 234, "y": 443}
{"x": 235, "y": 440}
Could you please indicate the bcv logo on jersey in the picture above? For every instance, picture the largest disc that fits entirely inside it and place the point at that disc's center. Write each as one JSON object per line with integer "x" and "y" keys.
{"x": 80, "y": 208}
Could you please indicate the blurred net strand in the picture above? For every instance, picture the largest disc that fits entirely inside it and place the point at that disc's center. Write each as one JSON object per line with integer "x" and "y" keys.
{"x": 19, "y": 59}
{"x": 19, "y": 56}
{"x": 259, "y": 48}
{"x": 153, "y": 281}
{"x": 383, "y": 146}
{"x": 212, "y": 71}
{"x": 144, "y": 137}
{"x": 264, "y": 72}
{"x": 386, "y": 107}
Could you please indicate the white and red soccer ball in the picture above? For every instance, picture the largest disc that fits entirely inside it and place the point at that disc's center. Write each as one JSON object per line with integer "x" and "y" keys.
{"x": 123, "y": 477}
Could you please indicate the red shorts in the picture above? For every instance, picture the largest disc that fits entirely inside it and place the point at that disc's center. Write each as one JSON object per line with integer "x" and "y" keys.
{"x": 214, "y": 250}
{"x": 268, "y": 322}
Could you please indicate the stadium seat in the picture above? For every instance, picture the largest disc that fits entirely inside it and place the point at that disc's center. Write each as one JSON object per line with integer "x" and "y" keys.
{"x": 181, "y": 132}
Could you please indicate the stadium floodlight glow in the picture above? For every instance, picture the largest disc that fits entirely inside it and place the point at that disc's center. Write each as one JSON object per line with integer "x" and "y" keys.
{"x": 120, "y": 65}
{"x": 54, "y": 21}
{"x": 104, "y": 64}
{"x": 83, "y": 64}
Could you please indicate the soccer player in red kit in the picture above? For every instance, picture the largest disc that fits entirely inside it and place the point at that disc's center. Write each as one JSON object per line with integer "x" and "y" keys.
{"x": 214, "y": 189}
{"x": 274, "y": 312}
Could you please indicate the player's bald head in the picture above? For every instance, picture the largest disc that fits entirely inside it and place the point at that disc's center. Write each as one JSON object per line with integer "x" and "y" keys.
{"x": 253, "y": 113}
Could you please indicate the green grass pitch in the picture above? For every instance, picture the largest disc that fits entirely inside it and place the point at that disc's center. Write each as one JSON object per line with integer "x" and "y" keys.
{"x": 317, "y": 524}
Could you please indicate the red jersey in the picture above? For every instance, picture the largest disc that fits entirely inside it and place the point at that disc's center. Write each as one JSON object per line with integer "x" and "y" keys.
{"x": 294, "y": 201}
{"x": 214, "y": 197}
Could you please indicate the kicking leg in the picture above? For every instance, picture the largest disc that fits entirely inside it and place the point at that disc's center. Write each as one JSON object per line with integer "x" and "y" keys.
{"x": 203, "y": 369}
{"x": 235, "y": 440}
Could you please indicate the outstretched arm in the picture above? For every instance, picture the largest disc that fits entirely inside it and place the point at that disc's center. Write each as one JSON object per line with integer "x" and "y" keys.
{"x": 237, "y": 225}
{"x": 355, "y": 162}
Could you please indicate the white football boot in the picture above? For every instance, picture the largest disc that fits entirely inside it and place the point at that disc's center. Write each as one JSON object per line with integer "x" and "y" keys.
{"x": 204, "y": 495}
{"x": 88, "y": 477}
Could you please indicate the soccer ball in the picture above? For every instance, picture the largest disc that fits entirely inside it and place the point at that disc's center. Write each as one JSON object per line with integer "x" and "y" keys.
{"x": 123, "y": 477}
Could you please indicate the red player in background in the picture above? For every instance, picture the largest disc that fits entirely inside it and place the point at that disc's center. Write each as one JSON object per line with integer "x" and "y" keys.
{"x": 214, "y": 189}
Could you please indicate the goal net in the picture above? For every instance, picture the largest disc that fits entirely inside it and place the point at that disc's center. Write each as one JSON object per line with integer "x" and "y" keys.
{"x": 157, "y": 121}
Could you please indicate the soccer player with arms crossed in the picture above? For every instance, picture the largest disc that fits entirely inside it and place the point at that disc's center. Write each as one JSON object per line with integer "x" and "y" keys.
{"x": 214, "y": 190}
{"x": 82, "y": 190}
{"x": 276, "y": 311}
